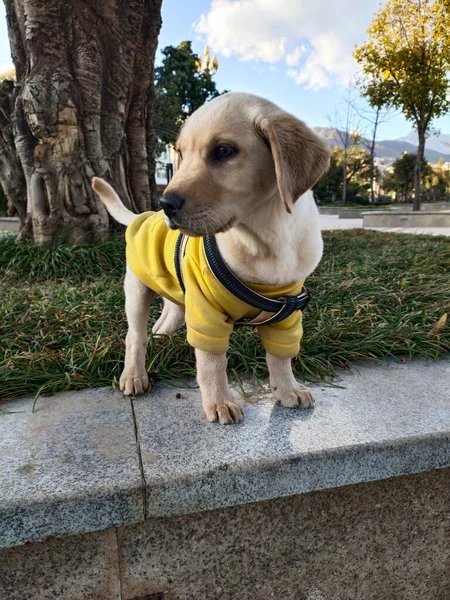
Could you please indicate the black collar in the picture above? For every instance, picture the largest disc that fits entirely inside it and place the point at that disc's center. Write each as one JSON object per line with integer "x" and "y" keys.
{"x": 279, "y": 309}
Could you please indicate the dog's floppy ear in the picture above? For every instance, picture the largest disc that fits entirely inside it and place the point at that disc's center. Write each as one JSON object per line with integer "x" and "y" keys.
{"x": 301, "y": 157}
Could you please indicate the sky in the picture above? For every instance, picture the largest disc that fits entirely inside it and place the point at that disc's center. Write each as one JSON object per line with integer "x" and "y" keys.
{"x": 296, "y": 53}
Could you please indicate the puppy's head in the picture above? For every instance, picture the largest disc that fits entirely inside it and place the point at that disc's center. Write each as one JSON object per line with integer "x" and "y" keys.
{"x": 235, "y": 154}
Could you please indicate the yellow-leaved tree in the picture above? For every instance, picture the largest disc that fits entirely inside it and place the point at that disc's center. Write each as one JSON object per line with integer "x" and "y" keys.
{"x": 406, "y": 65}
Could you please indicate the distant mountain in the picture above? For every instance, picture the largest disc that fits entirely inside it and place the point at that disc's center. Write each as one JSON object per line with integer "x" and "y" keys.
{"x": 387, "y": 151}
{"x": 392, "y": 149}
{"x": 440, "y": 143}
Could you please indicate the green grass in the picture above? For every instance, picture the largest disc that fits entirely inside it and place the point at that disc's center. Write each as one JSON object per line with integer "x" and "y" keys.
{"x": 62, "y": 321}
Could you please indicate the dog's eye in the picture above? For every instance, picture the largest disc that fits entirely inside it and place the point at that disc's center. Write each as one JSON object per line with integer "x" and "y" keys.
{"x": 224, "y": 152}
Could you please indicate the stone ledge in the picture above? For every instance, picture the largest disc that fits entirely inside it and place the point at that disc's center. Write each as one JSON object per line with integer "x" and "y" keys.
{"x": 9, "y": 224}
{"x": 387, "y": 420}
{"x": 406, "y": 219}
{"x": 71, "y": 467}
{"x": 74, "y": 466}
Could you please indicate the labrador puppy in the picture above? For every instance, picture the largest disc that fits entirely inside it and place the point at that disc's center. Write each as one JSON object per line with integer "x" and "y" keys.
{"x": 245, "y": 170}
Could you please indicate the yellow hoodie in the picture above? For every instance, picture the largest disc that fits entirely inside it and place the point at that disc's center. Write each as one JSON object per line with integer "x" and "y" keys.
{"x": 211, "y": 309}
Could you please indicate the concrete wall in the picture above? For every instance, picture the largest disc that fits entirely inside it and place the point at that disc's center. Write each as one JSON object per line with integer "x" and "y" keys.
{"x": 329, "y": 210}
{"x": 386, "y": 540}
{"x": 352, "y": 213}
{"x": 346, "y": 501}
{"x": 358, "y": 213}
{"x": 9, "y": 224}
{"x": 410, "y": 219}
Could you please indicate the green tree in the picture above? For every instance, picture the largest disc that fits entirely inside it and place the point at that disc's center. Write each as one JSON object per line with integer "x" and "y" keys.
{"x": 329, "y": 187}
{"x": 405, "y": 62}
{"x": 437, "y": 182}
{"x": 400, "y": 178}
{"x": 357, "y": 175}
{"x": 183, "y": 84}
{"x": 359, "y": 171}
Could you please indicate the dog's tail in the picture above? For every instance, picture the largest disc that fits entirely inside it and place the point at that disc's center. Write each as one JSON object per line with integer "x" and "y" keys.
{"x": 113, "y": 203}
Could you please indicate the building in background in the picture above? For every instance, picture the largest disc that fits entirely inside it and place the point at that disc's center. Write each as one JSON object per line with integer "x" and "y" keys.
{"x": 165, "y": 167}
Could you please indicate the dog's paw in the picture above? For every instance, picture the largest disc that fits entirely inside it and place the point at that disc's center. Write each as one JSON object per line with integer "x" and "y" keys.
{"x": 297, "y": 397}
{"x": 226, "y": 412}
{"x": 165, "y": 327}
{"x": 133, "y": 383}
{"x": 171, "y": 319}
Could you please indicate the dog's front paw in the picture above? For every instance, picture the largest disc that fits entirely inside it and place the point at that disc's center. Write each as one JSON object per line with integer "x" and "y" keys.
{"x": 226, "y": 412}
{"x": 297, "y": 397}
{"x": 133, "y": 383}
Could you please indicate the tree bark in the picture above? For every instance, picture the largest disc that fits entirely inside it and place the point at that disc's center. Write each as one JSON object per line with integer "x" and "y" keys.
{"x": 372, "y": 155}
{"x": 12, "y": 178}
{"x": 82, "y": 107}
{"x": 344, "y": 180}
{"x": 418, "y": 168}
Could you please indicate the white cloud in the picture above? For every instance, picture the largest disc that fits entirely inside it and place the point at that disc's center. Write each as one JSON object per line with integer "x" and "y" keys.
{"x": 293, "y": 58}
{"x": 315, "y": 39}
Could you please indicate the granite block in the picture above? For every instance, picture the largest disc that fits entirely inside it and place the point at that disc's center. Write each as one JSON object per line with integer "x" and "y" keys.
{"x": 83, "y": 567}
{"x": 385, "y": 540}
{"x": 71, "y": 467}
{"x": 74, "y": 466}
{"x": 374, "y": 218}
{"x": 386, "y": 420}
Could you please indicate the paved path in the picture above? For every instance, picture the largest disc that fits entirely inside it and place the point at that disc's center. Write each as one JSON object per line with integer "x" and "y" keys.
{"x": 329, "y": 222}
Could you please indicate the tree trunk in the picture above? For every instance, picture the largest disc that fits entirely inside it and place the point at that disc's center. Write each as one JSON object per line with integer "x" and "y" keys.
{"x": 82, "y": 107}
{"x": 11, "y": 173}
{"x": 418, "y": 169}
{"x": 372, "y": 156}
{"x": 344, "y": 180}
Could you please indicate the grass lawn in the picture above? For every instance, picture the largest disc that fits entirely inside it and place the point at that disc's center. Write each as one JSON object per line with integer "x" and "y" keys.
{"x": 62, "y": 321}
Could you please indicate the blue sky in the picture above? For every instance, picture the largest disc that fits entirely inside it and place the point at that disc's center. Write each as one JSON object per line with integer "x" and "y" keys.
{"x": 297, "y": 53}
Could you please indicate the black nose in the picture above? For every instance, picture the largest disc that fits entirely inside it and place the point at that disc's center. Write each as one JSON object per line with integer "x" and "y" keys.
{"x": 171, "y": 204}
